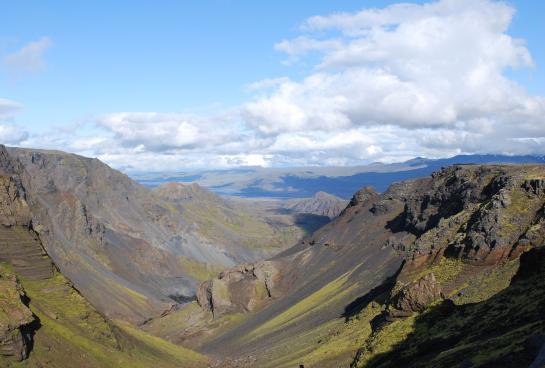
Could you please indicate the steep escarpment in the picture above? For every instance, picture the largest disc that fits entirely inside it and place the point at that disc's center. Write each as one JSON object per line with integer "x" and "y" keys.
{"x": 379, "y": 277}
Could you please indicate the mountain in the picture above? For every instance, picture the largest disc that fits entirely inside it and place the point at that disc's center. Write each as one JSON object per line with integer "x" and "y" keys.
{"x": 97, "y": 270}
{"x": 304, "y": 182}
{"x": 132, "y": 252}
{"x": 44, "y": 320}
{"x": 322, "y": 204}
{"x": 245, "y": 231}
{"x": 444, "y": 271}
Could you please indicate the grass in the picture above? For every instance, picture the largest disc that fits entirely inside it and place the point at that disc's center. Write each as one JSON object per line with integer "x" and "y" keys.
{"x": 198, "y": 270}
{"x": 330, "y": 293}
{"x": 73, "y": 334}
{"x": 489, "y": 326}
{"x": 341, "y": 345}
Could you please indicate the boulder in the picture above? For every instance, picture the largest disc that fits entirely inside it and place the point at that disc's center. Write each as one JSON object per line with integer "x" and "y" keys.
{"x": 416, "y": 296}
{"x": 239, "y": 289}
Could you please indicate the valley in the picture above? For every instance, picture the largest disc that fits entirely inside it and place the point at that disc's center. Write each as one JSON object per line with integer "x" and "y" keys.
{"x": 100, "y": 271}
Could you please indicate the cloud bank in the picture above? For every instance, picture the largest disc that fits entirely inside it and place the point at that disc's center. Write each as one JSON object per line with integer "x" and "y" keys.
{"x": 384, "y": 85}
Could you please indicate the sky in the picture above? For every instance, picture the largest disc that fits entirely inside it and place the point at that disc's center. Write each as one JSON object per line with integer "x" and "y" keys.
{"x": 175, "y": 85}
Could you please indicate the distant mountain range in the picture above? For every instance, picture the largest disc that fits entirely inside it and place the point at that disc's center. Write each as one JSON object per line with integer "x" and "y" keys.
{"x": 303, "y": 182}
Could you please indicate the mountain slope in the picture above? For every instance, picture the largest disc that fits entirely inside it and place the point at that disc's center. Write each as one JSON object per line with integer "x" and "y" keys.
{"x": 45, "y": 322}
{"x": 135, "y": 253}
{"x": 389, "y": 264}
{"x": 322, "y": 204}
{"x": 241, "y": 232}
{"x": 131, "y": 252}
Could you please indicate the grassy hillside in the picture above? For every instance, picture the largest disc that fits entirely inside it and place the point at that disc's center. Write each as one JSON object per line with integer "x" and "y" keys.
{"x": 71, "y": 333}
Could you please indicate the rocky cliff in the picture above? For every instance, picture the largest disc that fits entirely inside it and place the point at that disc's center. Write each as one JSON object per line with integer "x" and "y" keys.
{"x": 15, "y": 319}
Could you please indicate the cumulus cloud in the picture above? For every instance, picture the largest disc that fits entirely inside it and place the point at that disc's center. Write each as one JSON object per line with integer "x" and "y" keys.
{"x": 30, "y": 58}
{"x": 383, "y": 84}
{"x": 438, "y": 67}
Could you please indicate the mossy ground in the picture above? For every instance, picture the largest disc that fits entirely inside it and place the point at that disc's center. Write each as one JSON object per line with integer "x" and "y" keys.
{"x": 72, "y": 334}
{"x": 198, "y": 270}
{"x": 191, "y": 325}
{"x": 487, "y": 327}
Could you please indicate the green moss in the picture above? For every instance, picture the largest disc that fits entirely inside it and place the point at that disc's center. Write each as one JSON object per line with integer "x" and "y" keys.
{"x": 342, "y": 340}
{"x": 386, "y": 339}
{"x": 174, "y": 353}
{"x": 490, "y": 327}
{"x": 198, "y": 270}
{"x": 330, "y": 293}
{"x": 73, "y": 334}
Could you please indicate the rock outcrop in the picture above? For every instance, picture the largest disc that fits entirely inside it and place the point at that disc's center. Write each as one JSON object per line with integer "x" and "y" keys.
{"x": 415, "y": 297}
{"x": 15, "y": 319}
{"x": 239, "y": 289}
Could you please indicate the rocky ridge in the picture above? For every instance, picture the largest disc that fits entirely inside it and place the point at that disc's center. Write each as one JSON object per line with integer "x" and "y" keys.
{"x": 443, "y": 242}
{"x": 322, "y": 204}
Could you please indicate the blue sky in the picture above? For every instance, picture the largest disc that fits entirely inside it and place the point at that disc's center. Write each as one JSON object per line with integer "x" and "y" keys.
{"x": 195, "y": 60}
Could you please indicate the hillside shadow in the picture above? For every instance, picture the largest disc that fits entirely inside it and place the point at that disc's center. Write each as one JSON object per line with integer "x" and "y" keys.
{"x": 310, "y": 222}
{"x": 360, "y": 303}
{"x": 498, "y": 332}
{"x": 29, "y": 330}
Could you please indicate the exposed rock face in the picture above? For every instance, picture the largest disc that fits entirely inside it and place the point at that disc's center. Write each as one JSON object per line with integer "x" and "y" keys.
{"x": 322, "y": 204}
{"x": 482, "y": 214}
{"x": 14, "y": 319}
{"x": 13, "y": 208}
{"x": 415, "y": 296}
{"x": 360, "y": 198}
{"x": 239, "y": 289}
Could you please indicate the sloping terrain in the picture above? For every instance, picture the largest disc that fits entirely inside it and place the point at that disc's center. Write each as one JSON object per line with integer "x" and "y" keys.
{"x": 369, "y": 288}
{"x": 443, "y": 271}
{"x": 132, "y": 252}
{"x": 243, "y": 232}
{"x": 45, "y": 322}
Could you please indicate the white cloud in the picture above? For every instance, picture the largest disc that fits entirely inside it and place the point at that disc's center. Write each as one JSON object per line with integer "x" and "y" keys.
{"x": 266, "y": 84}
{"x": 383, "y": 84}
{"x": 8, "y": 108}
{"x": 30, "y": 58}
{"x": 165, "y": 131}
{"x": 12, "y": 134}
{"x": 437, "y": 69}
